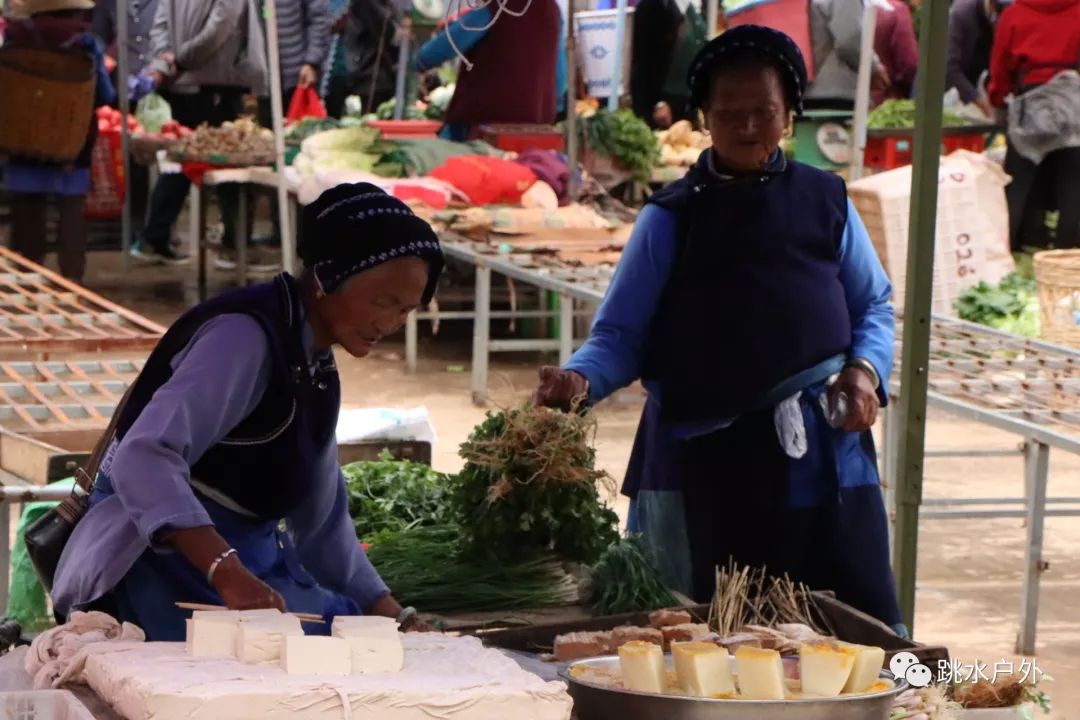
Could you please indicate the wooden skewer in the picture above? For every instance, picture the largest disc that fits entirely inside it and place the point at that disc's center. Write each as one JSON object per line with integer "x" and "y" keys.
{"x": 305, "y": 617}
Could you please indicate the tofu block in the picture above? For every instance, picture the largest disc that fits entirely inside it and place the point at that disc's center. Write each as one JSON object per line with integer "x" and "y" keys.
{"x": 703, "y": 669}
{"x": 370, "y": 655}
{"x": 212, "y": 634}
{"x": 642, "y": 667}
{"x": 315, "y": 655}
{"x": 761, "y": 673}
{"x": 629, "y": 633}
{"x": 259, "y": 641}
{"x": 579, "y": 645}
{"x": 665, "y": 618}
{"x": 867, "y": 670}
{"x": 364, "y": 626}
{"x": 825, "y": 668}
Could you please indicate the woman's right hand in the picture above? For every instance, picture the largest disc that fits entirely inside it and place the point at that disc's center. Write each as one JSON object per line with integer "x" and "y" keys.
{"x": 241, "y": 590}
{"x": 561, "y": 389}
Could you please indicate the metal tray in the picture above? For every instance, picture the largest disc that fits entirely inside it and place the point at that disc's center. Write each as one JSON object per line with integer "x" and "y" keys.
{"x": 596, "y": 702}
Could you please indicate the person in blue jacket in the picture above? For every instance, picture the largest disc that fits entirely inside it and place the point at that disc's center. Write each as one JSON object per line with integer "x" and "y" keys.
{"x": 751, "y": 303}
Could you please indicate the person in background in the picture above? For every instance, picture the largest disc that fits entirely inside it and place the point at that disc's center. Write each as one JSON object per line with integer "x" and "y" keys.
{"x": 140, "y": 21}
{"x": 898, "y": 50}
{"x": 371, "y": 52}
{"x": 971, "y": 35}
{"x": 754, "y": 443}
{"x": 203, "y": 65}
{"x": 511, "y": 81}
{"x": 304, "y": 33}
{"x": 1034, "y": 41}
{"x": 334, "y": 77}
{"x": 59, "y": 24}
{"x": 836, "y": 34}
{"x": 656, "y": 35}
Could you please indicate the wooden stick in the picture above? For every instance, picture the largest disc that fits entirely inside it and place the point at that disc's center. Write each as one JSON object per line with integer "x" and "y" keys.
{"x": 306, "y": 617}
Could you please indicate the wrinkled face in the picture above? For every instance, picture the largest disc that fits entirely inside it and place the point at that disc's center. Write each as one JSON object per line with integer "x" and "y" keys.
{"x": 372, "y": 304}
{"x": 746, "y": 115}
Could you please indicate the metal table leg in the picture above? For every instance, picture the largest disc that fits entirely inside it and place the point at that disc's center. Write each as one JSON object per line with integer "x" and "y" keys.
{"x": 481, "y": 334}
{"x": 242, "y": 235}
{"x": 411, "y": 340}
{"x": 1036, "y": 470}
{"x": 200, "y": 236}
{"x": 566, "y": 328}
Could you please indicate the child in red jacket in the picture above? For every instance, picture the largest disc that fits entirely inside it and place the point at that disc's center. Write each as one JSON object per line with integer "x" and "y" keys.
{"x": 58, "y": 24}
{"x": 1034, "y": 41}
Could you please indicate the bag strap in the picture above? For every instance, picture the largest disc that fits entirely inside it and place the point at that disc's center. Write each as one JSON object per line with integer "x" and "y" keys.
{"x": 73, "y": 506}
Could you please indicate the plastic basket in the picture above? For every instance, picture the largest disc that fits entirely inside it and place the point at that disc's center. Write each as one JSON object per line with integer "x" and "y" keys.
{"x": 521, "y": 138}
{"x": 1057, "y": 273}
{"x": 42, "y": 705}
{"x": 888, "y": 152}
{"x": 48, "y": 103}
{"x": 391, "y": 129}
{"x": 105, "y": 201}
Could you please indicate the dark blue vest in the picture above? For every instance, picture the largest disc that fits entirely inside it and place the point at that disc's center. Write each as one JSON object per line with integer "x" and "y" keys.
{"x": 754, "y": 295}
{"x": 263, "y": 464}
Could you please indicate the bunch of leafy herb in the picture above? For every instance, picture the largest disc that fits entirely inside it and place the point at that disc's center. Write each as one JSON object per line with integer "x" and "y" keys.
{"x": 626, "y": 138}
{"x": 898, "y": 113}
{"x": 427, "y": 568}
{"x": 396, "y": 495}
{"x": 626, "y": 579}
{"x": 1011, "y": 306}
{"x": 530, "y": 485}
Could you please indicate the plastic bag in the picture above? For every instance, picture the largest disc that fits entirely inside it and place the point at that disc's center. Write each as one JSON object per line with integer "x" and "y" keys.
{"x": 486, "y": 180}
{"x": 305, "y": 103}
{"x": 153, "y": 112}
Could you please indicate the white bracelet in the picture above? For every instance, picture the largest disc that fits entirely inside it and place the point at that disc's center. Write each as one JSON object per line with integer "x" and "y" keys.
{"x": 406, "y": 614}
{"x": 217, "y": 561}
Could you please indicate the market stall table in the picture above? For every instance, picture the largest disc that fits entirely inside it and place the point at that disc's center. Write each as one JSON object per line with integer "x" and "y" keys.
{"x": 45, "y": 314}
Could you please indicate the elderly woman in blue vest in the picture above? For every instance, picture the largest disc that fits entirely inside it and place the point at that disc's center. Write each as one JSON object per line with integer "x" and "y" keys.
{"x": 751, "y": 303}
{"x": 230, "y": 430}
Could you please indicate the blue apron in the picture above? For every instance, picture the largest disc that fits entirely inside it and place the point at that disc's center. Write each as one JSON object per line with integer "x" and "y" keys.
{"x": 161, "y": 577}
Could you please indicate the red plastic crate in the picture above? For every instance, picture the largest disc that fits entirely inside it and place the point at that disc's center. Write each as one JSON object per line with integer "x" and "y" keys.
{"x": 519, "y": 138}
{"x": 888, "y": 152}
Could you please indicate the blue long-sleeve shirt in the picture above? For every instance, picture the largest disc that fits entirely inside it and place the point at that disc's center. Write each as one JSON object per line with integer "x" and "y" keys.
{"x": 612, "y": 357}
{"x": 217, "y": 381}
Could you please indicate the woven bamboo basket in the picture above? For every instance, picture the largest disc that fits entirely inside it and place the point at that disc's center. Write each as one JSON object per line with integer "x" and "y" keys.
{"x": 1057, "y": 273}
{"x": 48, "y": 103}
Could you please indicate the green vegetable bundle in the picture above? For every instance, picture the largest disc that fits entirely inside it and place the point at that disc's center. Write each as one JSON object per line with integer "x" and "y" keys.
{"x": 530, "y": 485}
{"x": 626, "y": 138}
{"x": 1012, "y": 306}
{"x": 394, "y": 495}
{"x": 303, "y": 129}
{"x": 386, "y": 111}
{"x": 427, "y": 568}
{"x": 900, "y": 114}
{"x": 625, "y": 579}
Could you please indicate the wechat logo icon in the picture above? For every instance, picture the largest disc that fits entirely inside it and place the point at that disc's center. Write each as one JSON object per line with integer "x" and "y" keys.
{"x": 905, "y": 665}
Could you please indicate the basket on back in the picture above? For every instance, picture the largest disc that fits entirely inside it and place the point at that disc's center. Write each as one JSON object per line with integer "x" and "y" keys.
{"x": 1057, "y": 273}
{"x": 48, "y": 103}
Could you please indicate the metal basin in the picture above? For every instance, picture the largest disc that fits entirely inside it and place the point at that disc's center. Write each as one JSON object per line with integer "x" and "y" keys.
{"x": 596, "y": 702}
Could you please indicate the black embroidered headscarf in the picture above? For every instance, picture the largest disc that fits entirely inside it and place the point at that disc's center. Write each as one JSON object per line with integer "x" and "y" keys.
{"x": 773, "y": 45}
{"x": 352, "y": 228}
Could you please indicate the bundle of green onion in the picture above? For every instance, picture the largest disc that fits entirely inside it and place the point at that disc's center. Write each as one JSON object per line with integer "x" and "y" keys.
{"x": 425, "y": 568}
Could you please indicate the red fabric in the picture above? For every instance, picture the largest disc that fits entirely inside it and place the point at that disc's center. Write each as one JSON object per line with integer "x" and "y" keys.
{"x": 305, "y": 104}
{"x": 513, "y": 74}
{"x": 195, "y": 170}
{"x": 486, "y": 180}
{"x": 896, "y": 46}
{"x": 1034, "y": 40}
{"x": 55, "y": 31}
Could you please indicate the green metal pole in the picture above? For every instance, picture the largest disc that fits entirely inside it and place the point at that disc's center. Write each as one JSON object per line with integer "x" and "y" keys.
{"x": 926, "y": 158}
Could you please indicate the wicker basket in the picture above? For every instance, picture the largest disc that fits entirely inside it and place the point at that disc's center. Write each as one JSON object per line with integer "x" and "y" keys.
{"x": 48, "y": 103}
{"x": 1058, "y": 275}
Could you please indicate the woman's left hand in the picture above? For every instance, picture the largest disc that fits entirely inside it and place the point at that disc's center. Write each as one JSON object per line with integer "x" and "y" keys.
{"x": 863, "y": 403}
{"x": 387, "y": 606}
{"x": 415, "y": 624}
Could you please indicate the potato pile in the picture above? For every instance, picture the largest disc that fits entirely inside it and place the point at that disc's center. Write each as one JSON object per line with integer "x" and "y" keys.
{"x": 682, "y": 144}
